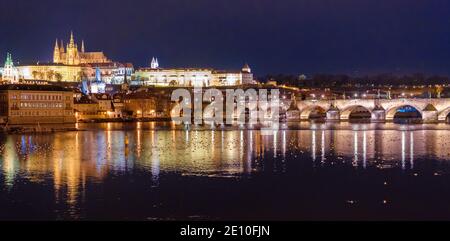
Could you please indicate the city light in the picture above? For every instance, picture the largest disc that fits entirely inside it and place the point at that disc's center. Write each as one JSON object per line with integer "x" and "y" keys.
{"x": 149, "y": 111}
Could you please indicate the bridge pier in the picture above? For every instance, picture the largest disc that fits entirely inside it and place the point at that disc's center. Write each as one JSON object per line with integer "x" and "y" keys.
{"x": 293, "y": 115}
{"x": 378, "y": 115}
{"x": 333, "y": 114}
{"x": 429, "y": 116}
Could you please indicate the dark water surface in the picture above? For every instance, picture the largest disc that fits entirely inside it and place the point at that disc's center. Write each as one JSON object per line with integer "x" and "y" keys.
{"x": 156, "y": 171}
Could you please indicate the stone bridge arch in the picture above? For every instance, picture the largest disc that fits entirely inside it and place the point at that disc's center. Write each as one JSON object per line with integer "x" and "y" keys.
{"x": 346, "y": 112}
{"x": 306, "y": 112}
{"x": 382, "y": 109}
{"x": 390, "y": 113}
{"x": 442, "y": 116}
{"x": 343, "y": 105}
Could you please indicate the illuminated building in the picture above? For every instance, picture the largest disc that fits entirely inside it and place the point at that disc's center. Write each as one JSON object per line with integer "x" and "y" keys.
{"x": 97, "y": 86}
{"x": 72, "y": 56}
{"x": 73, "y": 65}
{"x": 148, "y": 104}
{"x": 111, "y": 73}
{"x": 53, "y": 72}
{"x": 10, "y": 72}
{"x": 198, "y": 77}
{"x": 97, "y": 107}
{"x": 87, "y": 109}
{"x": 33, "y": 104}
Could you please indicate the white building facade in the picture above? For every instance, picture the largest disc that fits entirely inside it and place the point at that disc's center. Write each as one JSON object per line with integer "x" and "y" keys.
{"x": 194, "y": 77}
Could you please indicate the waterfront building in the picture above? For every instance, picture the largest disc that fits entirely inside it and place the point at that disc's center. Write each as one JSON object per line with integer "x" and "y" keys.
{"x": 104, "y": 102}
{"x": 34, "y": 104}
{"x": 146, "y": 104}
{"x": 86, "y": 108}
{"x": 98, "y": 107}
{"x": 195, "y": 77}
{"x": 71, "y": 55}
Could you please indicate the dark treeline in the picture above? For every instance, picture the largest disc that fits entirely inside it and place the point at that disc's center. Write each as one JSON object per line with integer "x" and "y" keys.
{"x": 342, "y": 80}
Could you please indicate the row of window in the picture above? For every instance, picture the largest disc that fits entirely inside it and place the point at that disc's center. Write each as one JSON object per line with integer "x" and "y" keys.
{"x": 39, "y": 97}
{"x": 40, "y": 113}
{"x": 39, "y": 105}
{"x": 179, "y": 77}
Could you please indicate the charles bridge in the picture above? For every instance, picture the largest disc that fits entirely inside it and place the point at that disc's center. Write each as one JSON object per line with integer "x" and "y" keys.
{"x": 431, "y": 109}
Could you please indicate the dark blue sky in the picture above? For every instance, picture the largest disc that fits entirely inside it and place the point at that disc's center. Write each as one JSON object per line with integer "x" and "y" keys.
{"x": 273, "y": 36}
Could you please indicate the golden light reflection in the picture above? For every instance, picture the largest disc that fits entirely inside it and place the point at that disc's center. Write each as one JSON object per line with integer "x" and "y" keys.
{"x": 411, "y": 149}
{"x": 70, "y": 159}
{"x": 10, "y": 161}
{"x": 313, "y": 146}
{"x": 355, "y": 144}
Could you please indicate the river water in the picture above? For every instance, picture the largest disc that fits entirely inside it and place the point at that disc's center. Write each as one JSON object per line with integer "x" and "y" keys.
{"x": 158, "y": 171}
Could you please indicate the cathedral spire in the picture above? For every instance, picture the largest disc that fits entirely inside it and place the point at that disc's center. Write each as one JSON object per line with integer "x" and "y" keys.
{"x": 72, "y": 41}
{"x": 56, "y": 45}
{"x": 56, "y": 53}
{"x": 152, "y": 64}
{"x": 82, "y": 46}
{"x": 8, "y": 61}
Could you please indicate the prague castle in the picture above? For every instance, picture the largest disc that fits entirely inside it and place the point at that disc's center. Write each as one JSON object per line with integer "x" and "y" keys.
{"x": 73, "y": 64}
{"x": 72, "y": 56}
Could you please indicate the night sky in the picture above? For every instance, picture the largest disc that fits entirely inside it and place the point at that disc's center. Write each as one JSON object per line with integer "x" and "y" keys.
{"x": 283, "y": 36}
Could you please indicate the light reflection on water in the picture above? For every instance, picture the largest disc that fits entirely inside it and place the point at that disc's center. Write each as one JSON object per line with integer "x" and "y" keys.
{"x": 71, "y": 161}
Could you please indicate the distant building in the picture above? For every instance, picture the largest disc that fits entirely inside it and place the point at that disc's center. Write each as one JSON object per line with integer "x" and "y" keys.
{"x": 143, "y": 104}
{"x": 99, "y": 107}
{"x": 87, "y": 109}
{"x": 97, "y": 86}
{"x": 196, "y": 77}
{"x": 10, "y": 73}
{"x": 71, "y": 55}
{"x": 71, "y": 64}
{"x": 111, "y": 73}
{"x": 33, "y": 104}
{"x": 53, "y": 72}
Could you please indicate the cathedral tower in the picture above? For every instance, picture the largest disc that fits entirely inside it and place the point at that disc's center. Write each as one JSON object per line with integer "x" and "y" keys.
{"x": 61, "y": 48}
{"x": 56, "y": 53}
{"x": 72, "y": 52}
{"x": 71, "y": 55}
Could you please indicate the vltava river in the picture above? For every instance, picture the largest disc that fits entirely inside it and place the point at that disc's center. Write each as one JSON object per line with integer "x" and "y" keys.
{"x": 158, "y": 171}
